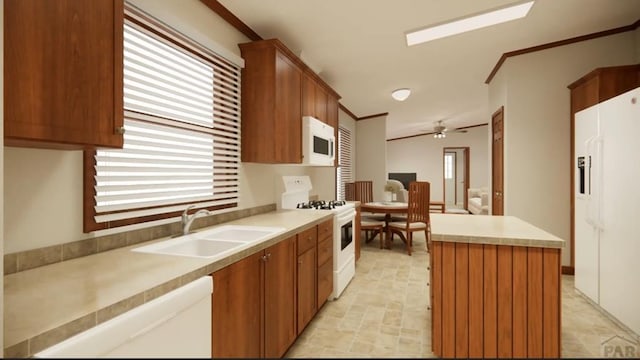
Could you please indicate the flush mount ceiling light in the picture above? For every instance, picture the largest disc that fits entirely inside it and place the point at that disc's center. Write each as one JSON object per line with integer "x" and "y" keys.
{"x": 470, "y": 23}
{"x": 401, "y": 94}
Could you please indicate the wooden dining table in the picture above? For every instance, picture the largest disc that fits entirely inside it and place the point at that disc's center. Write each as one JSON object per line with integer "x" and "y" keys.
{"x": 388, "y": 208}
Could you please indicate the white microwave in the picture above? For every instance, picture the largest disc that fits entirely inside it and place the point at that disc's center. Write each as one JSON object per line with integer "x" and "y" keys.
{"x": 318, "y": 142}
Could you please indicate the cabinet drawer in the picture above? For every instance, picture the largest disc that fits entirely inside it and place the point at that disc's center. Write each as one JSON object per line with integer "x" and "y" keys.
{"x": 325, "y": 250}
{"x": 307, "y": 239}
{"x": 325, "y": 229}
{"x": 325, "y": 281}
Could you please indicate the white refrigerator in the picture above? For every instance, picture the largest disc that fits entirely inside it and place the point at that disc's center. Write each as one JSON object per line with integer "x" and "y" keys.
{"x": 607, "y": 206}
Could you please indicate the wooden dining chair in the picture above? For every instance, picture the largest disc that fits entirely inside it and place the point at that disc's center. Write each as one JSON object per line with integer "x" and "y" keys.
{"x": 417, "y": 215}
{"x": 363, "y": 191}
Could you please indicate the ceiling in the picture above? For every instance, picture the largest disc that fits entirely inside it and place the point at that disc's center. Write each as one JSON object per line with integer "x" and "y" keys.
{"x": 358, "y": 47}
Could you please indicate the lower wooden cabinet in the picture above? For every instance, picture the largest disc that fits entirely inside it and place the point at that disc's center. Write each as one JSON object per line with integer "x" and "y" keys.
{"x": 264, "y": 301}
{"x": 325, "y": 270}
{"x": 306, "y": 277}
{"x": 254, "y": 304}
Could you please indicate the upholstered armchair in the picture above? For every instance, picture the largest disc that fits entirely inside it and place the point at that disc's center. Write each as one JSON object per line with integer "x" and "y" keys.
{"x": 478, "y": 201}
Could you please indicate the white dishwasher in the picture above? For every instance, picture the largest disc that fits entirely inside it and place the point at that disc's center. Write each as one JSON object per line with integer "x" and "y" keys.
{"x": 174, "y": 325}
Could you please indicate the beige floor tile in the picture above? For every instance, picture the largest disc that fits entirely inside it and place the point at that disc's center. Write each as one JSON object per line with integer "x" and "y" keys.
{"x": 383, "y": 313}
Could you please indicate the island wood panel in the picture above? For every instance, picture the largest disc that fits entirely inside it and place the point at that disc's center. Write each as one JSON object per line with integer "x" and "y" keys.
{"x": 476, "y": 286}
{"x": 448, "y": 264}
{"x": 435, "y": 267}
{"x": 505, "y": 303}
{"x": 462, "y": 300}
{"x": 534, "y": 309}
{"x": 495, "y": 301}
{"x": 519, "y": 298}
{"x": 551, "y": 303}
{"x": 490, "y": 301}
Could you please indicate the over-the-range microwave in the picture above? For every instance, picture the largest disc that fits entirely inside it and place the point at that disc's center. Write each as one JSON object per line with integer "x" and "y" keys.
{"x": 318, "y": 142}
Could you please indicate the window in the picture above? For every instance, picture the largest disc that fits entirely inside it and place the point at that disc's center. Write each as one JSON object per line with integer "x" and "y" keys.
{"x": 448, "y": 165}
{"x": 182, "y": 132}
{"x": 344, "y": 171}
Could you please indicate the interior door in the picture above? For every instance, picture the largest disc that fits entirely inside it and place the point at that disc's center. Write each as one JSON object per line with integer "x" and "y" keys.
{"x": 497, "y": 162}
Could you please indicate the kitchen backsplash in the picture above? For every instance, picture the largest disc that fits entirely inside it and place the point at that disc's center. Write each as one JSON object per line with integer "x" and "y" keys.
{"x": 25, "y": 260}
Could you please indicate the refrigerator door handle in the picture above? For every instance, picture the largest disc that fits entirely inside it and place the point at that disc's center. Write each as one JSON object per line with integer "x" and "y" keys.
{"x": 598, "y": 176}
{"x": 589, "y": 159}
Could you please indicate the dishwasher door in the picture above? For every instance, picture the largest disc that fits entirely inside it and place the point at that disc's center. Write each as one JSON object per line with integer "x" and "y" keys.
{"x": 174, "y": 325}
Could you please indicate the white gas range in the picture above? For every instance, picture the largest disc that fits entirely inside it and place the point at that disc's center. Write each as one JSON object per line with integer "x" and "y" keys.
{"x": 296, "y": 196}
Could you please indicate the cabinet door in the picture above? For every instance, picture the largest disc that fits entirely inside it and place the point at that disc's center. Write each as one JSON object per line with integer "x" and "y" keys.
{"x": 63, "y": 60}
{"x": 308, "y": 96}
{"x": 288, "y": 120}
{"x": 237, "y": 309}
{"x": 306, "y": 288}
{"x": 321, "y": 104}
{"x": 279, "y": 298}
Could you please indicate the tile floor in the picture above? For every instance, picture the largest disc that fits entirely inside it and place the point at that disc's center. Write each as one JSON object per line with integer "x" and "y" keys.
{"x": 382, "y": 313}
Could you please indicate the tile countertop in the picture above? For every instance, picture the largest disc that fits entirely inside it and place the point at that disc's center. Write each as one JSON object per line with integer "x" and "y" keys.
{"x": 46, "y": 305}
{"x": 487, "y": 229}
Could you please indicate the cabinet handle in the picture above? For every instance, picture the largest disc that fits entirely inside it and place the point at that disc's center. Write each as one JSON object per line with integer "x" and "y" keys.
{"x": 120, "y": 130}
{"x": 299, "y": 261}
{"x": 264, "y": 257}
{"x": 268, "y": 256}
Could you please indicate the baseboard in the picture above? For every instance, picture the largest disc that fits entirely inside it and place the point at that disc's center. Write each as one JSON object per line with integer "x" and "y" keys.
{"x": 568, "y": 270}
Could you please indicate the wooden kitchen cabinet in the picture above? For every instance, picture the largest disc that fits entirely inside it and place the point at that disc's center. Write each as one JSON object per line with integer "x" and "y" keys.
{"x": 356, "y": 232}
{"x": 254, "y": 304}
{"x": 325, "y": 261}
{"x": 63, "y": 73}
{"x": 271, "y": 117}
{"x": 277, "y": 90}
{"x": 306, "y": 270}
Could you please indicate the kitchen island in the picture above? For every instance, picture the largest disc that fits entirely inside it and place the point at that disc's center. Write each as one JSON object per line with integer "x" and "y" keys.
{"x": 495, "y": 288}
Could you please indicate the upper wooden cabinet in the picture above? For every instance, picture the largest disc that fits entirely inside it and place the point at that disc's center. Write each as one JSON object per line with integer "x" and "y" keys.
{"x": 602, "y": 84}
{"x": 277, "y": 90}
{"x": 63, "y": 73}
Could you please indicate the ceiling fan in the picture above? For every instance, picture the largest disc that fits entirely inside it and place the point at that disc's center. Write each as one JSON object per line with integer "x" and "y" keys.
{"x": 440, "y": 131}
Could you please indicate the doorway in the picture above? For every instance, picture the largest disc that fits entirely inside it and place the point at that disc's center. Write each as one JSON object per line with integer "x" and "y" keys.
{"x": 455, "y": 163}
{"x": 497, "y": 162}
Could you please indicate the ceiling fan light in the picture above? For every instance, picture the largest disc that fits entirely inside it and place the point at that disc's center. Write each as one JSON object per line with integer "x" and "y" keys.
{"x": 401, "y": 94}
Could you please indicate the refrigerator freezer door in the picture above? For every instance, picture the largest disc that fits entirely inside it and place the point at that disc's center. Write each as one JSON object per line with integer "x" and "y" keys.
{"x": 586, "y": 235}
{"x": 620, "y": 236}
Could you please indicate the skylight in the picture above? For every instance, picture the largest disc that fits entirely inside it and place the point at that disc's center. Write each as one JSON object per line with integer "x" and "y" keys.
{"x": 470, "y": 23}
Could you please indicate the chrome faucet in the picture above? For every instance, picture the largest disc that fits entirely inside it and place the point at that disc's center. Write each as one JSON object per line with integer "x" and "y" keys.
{"x": 187, "y": 219}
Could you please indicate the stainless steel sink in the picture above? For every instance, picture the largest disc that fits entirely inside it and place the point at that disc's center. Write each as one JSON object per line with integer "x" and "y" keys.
{"x": 216, "y": 242}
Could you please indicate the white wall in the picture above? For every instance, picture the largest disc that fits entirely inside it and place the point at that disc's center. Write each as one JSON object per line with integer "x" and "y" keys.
{"x": 2, "y": 171}
{"x": 423, "y": 155}
{"x": 44, "y": 187}
{"x": 533, "y": 89}
{"x": 371, "y": 153}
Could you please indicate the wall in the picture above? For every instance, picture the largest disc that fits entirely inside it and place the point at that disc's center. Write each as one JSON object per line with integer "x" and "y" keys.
{"x": 2, "y": 251}
{"x": 533, "y": 89}
{"x": 423, "y": 155}
{"x": 371, "y": 153}
{"x": 46, "y": 185}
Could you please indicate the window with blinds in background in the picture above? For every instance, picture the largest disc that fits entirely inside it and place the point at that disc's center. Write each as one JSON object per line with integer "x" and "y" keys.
{"x": 344, "y": 172}
{"x": 182, "y": 134}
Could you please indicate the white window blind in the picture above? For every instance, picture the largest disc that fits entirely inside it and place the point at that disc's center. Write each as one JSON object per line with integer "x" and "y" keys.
{"x": 182, "y": 133}
{"x": 344, "y": 172}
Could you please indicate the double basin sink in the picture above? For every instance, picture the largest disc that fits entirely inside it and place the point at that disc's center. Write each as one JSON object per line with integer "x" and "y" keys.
{"x": 211, "y": 243}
